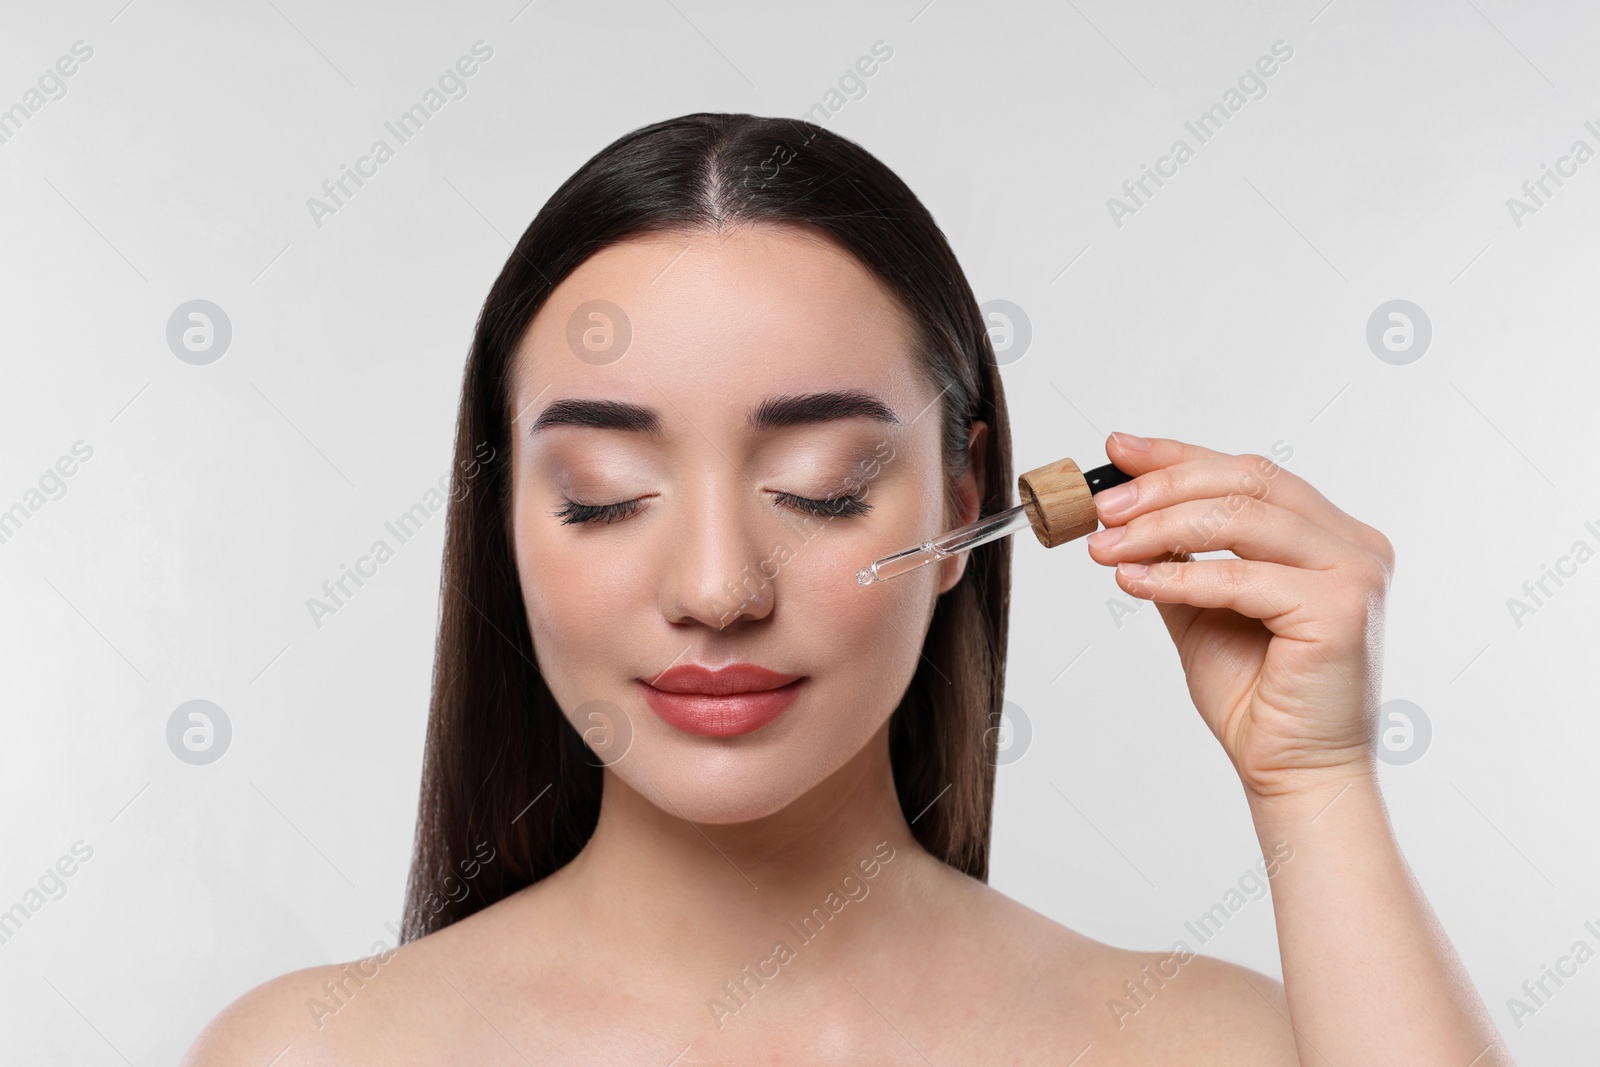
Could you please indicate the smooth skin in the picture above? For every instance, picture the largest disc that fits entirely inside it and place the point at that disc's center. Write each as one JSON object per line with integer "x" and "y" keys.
{"x": 708, "y": 850}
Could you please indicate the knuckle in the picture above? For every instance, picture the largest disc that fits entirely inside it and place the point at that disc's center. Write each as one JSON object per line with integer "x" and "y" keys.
{"x": 1383, "y": 555}
{"x": 1260, "y": 474}
{"x": 1148, "y": 530}
{"x": 1155, "y": 486}
{"x": 1212, "y": 530}
{"x": 1259, "y": 468}
{"x": 1370, "y": 587}
{"x": 1268, "y": 474}
{"x": 1249, "y": 509}
{"x": 1385, "y": 549}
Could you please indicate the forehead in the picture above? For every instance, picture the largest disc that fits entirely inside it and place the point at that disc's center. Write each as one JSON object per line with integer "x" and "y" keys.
{"x": 719, "y": 319}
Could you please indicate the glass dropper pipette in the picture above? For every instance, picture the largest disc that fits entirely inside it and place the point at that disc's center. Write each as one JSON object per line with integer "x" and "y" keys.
{"x": 1056, "y": 504}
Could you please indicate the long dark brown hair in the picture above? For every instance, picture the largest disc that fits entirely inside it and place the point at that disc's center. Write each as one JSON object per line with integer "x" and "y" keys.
{"x": 508, "y": 795}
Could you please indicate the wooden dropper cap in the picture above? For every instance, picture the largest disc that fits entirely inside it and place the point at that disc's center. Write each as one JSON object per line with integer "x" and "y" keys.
{"x": 1059, "y": 499}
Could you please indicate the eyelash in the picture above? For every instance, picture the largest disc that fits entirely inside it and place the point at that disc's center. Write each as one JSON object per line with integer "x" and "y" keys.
{"x": 575, "y": 513}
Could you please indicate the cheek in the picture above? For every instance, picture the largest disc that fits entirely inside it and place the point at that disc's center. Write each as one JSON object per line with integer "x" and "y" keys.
{"x": 577, "y": 606}
{"x": 863, "y": 641}
{"x": 865, "y": 628}
{"x": 874, "y": 633}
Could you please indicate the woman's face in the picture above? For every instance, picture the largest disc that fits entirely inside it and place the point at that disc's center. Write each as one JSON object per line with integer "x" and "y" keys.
{"x": 681, "y": 399}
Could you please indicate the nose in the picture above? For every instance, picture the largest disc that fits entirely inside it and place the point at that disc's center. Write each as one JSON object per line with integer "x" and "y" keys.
{"x": 716, "y": 572}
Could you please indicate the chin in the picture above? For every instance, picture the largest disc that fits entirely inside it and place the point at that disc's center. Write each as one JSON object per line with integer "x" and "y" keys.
{"x": 714, "y": 799}
{"x": 719, "y": 787}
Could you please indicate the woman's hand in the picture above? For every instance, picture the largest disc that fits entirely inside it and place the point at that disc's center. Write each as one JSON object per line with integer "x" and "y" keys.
{"x": 1283, "y": 650}
{"x": 1282, "y": 646}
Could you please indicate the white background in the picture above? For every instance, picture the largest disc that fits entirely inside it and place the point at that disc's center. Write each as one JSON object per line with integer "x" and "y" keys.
{"x": 1229, "y": 310}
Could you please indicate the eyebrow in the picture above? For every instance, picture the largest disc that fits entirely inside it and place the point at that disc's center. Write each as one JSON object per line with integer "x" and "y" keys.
{"x": 773, "y": 413}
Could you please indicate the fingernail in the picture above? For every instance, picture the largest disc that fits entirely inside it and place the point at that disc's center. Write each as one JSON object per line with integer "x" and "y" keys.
{"x": 1133, "y": 570}
{"x": 1127, "y": 440}
{"x": 1107, "y": 537}
{"x": 1113, "y": 500}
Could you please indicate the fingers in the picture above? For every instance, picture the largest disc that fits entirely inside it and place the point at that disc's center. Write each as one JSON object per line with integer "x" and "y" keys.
{"x": 1271, "y": 592}
{"x": 1244, "y": 525}
{"x": 1169, "y": 472}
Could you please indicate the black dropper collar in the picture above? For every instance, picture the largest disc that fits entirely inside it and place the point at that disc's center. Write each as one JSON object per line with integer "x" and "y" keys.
{"x": 1105, "y": 477}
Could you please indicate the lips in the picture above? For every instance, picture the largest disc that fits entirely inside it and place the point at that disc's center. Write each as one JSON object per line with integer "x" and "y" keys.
{"x": 734, "y": 700}
{"x": 738, "y": 678}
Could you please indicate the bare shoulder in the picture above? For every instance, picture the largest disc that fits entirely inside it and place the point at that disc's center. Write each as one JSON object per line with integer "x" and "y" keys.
{"x": 382, "y": 1008}
{"x": 1147, "y": 1007}
{"x": 1178, "y": 1006}
{"x": 415, "y": 1003}
{"x": 262, "y": 1025}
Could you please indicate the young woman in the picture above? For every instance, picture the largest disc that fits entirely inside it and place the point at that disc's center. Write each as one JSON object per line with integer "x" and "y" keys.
{"x": 692, "y": 794}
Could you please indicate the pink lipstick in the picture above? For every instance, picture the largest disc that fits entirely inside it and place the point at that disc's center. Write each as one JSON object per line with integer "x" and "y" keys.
{"x": 734, "y": 700}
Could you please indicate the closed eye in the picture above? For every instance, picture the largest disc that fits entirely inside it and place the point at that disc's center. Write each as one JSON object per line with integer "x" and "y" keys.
{"x": 589, "y": 514}
{"x": 832, "y": 507}
{"x": 574, "y": 513}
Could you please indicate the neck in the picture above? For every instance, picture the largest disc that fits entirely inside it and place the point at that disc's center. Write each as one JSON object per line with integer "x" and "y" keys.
{"x": 710, "y": 899}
